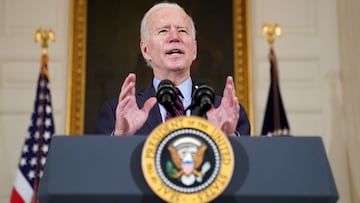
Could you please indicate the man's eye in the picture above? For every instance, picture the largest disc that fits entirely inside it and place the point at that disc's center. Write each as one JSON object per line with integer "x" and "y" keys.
{"x": 162, "y": 31}
{"x": 184, "y": 31}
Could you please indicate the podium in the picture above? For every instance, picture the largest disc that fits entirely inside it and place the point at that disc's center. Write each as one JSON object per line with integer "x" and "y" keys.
{"x": 102, "y": 169}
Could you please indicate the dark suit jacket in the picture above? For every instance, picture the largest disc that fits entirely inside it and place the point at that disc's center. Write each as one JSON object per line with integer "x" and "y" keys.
{"x": 106, "y": 121}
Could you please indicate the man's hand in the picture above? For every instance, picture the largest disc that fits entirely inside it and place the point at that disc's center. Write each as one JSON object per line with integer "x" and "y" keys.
{"x": 129, "y": 118}
{"x": 226, "y": 116}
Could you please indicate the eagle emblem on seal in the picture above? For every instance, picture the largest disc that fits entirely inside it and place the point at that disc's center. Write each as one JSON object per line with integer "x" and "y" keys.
{"x": 187, "y": 157}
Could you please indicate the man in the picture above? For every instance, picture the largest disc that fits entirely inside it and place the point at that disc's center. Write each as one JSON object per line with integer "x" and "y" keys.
{"x": 169, "y": 46}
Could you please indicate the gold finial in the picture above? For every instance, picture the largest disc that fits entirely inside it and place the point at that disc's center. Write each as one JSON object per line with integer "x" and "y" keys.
{"x": 270, "y": 30}
{"x": 44, "y": 35}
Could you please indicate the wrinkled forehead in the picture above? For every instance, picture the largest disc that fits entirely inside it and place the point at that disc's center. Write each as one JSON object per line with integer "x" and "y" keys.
{"x": 169, "y": 16}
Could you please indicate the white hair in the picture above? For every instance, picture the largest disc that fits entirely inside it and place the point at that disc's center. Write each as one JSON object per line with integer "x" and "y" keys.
{"x": 144, "y": 31}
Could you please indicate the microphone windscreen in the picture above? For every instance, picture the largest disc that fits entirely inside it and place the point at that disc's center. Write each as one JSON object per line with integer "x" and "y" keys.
{"x": 204, "y": 97}
{"x": 166, "y": 93}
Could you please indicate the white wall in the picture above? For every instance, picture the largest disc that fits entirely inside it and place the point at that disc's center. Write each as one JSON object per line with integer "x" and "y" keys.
{"x": 309, "y": 72}
{"x": 349, "y": 43}
{"x": 19, "y": 69}
{"x": 308, "y": 59}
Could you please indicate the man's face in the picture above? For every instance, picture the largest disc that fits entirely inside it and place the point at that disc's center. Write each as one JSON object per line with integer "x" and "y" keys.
{"x": 170, "y": 46}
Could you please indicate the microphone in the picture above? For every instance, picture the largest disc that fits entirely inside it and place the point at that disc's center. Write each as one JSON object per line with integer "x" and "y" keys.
{"x": 166, "y": 95}
{"x": 204, "y": 97}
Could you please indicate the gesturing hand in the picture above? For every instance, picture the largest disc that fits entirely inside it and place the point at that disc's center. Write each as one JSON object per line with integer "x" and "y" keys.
{"x": 129, "y": 118}
{"x": 226, "y": 116}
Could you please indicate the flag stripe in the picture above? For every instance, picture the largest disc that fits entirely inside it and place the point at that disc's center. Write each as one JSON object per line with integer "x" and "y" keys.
{"x": 15, "y": 197}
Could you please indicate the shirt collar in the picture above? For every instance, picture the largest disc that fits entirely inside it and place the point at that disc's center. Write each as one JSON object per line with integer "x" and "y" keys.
{"x": 185, "y": 87}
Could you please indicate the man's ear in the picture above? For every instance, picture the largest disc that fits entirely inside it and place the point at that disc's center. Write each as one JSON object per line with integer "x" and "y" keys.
{"x": 195, "y": 50}
{"x": 143, "y": 48}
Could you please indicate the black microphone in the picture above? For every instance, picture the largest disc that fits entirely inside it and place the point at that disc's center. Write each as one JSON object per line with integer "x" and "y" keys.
{"x": 204, "y": 97}
{"x": 166, "y": 95}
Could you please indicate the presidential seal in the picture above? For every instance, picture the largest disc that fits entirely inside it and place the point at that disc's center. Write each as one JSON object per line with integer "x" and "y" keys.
{"x": 187, "y": 159}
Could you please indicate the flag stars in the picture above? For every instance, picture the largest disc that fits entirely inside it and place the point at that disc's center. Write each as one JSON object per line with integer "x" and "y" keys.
{"x": 47, "y": 135}
{"x": 47, "y": 122}
{"x": 35, "y": 148}
{"x": 22, "y": 162}
{"x": 48, "y": 109}
{"x": 45, "y": 148}
{"x": 31, "y": 174}
{"x": 43, "y": 161}
{"x": 33, "y": 162}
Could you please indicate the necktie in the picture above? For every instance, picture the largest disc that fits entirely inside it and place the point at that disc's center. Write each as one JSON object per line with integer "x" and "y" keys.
{"x": 178, "y": 106}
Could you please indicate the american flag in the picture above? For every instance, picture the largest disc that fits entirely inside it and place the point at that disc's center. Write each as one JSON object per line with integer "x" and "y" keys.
{"x": 36, "y": 147}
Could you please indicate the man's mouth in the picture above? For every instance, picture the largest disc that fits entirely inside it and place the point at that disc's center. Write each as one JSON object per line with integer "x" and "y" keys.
{"x": 174, "y": 51}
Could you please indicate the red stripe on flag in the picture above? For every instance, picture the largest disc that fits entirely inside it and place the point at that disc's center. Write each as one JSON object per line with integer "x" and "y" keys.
{"x": 15, "y": 197}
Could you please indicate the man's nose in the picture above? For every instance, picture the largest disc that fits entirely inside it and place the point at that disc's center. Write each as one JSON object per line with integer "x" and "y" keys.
{"x": 174, "y": 36}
